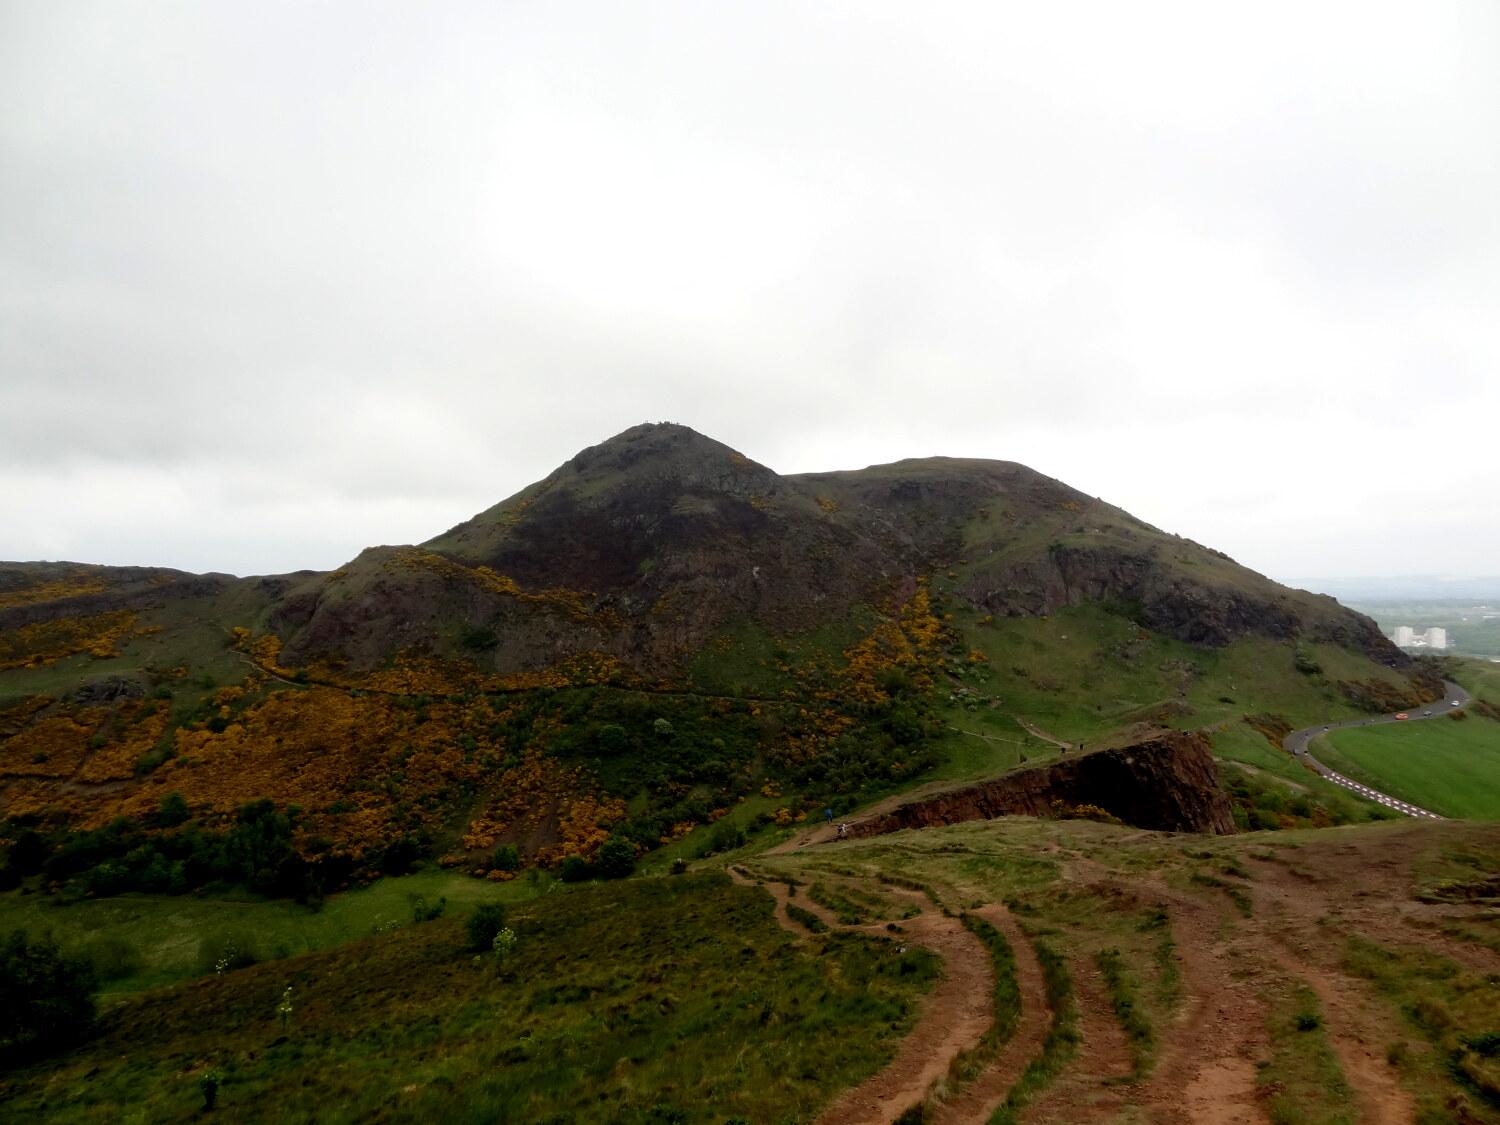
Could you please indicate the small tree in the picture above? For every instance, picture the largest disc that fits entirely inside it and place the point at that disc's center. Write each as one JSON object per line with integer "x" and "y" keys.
{"x": 482, "y": 926}
{"x": 616, "y": 858}
{"x": 46, "y": 998}
{"x": 503, "y": 945}
{"x": 208, "y": 1085}
{"x": 172, "y": 810}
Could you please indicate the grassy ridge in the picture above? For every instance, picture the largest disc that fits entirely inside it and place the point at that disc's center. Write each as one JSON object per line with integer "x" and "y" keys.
{"x": 638, "y": 1002}
{"x": 1124, "y": 997}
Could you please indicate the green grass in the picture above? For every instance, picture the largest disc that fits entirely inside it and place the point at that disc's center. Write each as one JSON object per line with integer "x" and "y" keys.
{"x": 1168, "y": 987}
{"x": 1302, "y": 1082}
{"x": 648, "y": 1001}
{"x": 162, "y": 936}
{"x": 1124, "y": 990}
{"x": 806, "y": 919}
{"x": 1453, "y": 1010}
{"x": 1058, "y": 1047}
{"x": 1452, "y": 768}
{"x": 1005, "y": 1001}
{"x": 1480, "y": 677}
{"x": 985, "y": 743}
{"x": 1236, "y": 893}
{"x": 1086, "y": 671}
{"x": 848, "y": 913}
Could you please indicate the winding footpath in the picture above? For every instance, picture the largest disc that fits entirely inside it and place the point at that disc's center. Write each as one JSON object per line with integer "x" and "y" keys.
{"x": 1297, "y": 744}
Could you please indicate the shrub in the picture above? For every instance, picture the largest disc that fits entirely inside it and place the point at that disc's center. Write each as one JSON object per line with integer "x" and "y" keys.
{"x": 483, "y": 925}
{"x": 112, "y": 956}
{"x": 46, "y": 998}
{"x": 575, "y": 869}
{"x": 616, "y": 859}
{"x": 806, "y": 919}
{"x": 226, "y": 952}
{"x": 172, "y": 811}
{"x": 507, "y": 857}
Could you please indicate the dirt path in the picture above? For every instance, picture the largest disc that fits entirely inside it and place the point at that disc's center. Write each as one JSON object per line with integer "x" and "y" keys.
{"x": 782, "y": 895}
{"x": 1355, "y": 1022}
{"x": 1090, "y": 1088}
{"x": 1294, "y": 906}
{"x": 954, "y": 1015}
{"x": 1038, "y": 732}
{"x": 1206, "y": 1075}
{"x": 974, "y": 1104}
{"x": 1379, "y": 1097}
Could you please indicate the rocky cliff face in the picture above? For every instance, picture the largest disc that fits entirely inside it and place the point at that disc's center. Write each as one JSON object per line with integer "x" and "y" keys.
{"x": 1185, "y": 591}
{"x": 1025, "y": 545}
{"x": 1166, "y": 781}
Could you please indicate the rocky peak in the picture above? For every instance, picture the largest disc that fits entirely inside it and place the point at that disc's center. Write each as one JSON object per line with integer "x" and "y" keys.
{"x": 665, "y": 452}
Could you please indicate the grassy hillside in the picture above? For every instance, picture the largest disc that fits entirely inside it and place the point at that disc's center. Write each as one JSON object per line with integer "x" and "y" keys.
{"x": 1334, "y": 975}
{"x": 143, "y": 941}
{"x": 653, "y": 1001}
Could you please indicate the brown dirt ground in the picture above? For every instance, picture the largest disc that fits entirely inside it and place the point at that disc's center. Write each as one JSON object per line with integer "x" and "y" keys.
{"x": 978, "y": 1100}
{"x": 1306, "y": 900}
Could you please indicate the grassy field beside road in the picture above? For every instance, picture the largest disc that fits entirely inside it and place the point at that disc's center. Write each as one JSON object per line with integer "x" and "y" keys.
{"x": 1450, "y": 767}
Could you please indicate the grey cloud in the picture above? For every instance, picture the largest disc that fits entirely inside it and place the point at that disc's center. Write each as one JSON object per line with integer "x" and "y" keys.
{"x": 308, "y": 268}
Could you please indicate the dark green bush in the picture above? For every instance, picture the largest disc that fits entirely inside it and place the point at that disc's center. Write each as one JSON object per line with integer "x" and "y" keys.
{"x": 46, "y": 998}
{"x": 575, "y": 869}
{"x": 481, "y": 927}
{"x": 616, "y": 858}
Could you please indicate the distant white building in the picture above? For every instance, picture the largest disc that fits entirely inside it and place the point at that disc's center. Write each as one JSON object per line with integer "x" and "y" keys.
{"x": 1407, "y": 637}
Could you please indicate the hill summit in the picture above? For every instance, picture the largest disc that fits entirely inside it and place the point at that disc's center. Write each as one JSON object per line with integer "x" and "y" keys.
{"x": 650, "y": 543}
{"x": 660, "y": 636}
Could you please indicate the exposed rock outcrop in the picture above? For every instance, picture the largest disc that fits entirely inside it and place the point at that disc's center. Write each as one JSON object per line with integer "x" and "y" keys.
{"x": 1167, "y": 780}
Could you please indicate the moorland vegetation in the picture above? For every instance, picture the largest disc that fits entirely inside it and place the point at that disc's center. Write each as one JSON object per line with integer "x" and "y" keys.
{"x": 325, "y": 826}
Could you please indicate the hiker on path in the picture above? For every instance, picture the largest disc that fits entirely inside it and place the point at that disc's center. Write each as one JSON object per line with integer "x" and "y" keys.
{"x": 843, "y": 830}
{"x": 829, "y": 814}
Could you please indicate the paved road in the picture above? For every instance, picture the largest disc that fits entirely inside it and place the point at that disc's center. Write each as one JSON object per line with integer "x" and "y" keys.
{"x": 1297, "y": 742}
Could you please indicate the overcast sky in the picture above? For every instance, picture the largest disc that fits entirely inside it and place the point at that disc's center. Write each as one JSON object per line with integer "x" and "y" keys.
{"x": 280, "y": 281}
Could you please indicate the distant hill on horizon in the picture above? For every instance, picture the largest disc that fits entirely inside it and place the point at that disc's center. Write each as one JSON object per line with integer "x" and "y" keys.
{"x": 1426, "y": 587}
